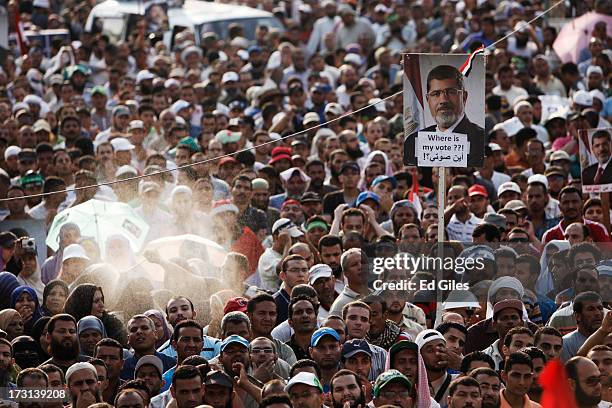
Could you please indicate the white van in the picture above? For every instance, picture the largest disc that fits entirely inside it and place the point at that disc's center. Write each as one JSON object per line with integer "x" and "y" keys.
{"x": 116, "y": 18}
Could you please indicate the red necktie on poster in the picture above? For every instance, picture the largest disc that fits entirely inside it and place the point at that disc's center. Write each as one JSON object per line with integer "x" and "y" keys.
{"x": 598, "y": 175}
{"x": 556, "y": 391}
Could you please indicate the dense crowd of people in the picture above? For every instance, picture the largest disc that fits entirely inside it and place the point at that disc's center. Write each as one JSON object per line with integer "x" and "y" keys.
{"x": 284, "y": 204}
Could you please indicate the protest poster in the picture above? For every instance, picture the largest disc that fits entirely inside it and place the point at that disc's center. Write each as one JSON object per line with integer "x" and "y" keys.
{"x": 595, "y": 154}
{"x": 444, "y": 110}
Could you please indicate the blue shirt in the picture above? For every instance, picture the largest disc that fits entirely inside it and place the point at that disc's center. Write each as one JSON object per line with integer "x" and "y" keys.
{"x": 129, "y": 365}
{"x": 210, "y": 349}
{"x": 167, "y": 377}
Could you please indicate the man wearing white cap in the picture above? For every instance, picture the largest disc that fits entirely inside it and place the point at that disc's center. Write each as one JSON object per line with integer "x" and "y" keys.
{"x": 123, "y": 151}
{"x": 74, "y": 262}
{"x": 432, "y": 346}
{"x": 83, "y": 385}
{"x": 305, "y": 390}
{"x": 321, "y": 278}
{"x": 11, "y": 159}
{"x": 295, "y": 182}
{"x": 284, "y": 234}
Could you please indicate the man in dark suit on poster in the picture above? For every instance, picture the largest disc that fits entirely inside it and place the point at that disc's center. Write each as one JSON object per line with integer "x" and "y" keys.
{"x": 600, "y": 172}
{"x": 446, "y": 97}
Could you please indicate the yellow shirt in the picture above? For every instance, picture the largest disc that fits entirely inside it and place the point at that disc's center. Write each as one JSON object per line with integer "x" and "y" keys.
{"x": 527, "y": 403}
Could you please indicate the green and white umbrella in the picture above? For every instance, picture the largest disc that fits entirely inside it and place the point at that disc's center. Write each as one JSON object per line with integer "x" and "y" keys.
{"x": 100, "y": 220}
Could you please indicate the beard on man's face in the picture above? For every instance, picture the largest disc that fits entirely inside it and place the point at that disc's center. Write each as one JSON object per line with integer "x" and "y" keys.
{"x": 445, "y": 115}
{"x": 359, "y": 402}
{"x": 64, "y": 350}
{"x": 354, "y": 154}
{"x": 585, "y": 400}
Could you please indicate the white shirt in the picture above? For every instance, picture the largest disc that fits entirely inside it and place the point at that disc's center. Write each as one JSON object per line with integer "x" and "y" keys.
{"x": 493, "y": 352}
{"x": 462, "y": 232}
{"x": 266, "y": 268}
{"x": 511, "y": 94}
{"x": 321, "y": 27}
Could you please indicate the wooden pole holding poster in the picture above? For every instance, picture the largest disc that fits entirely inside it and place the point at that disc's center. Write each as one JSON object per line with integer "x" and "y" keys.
{"x": 441, "y": 202}
{"x": 605, "y": 207}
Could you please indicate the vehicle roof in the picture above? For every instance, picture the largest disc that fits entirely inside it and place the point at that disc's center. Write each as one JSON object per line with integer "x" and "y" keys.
{"x": 195, "y": 11}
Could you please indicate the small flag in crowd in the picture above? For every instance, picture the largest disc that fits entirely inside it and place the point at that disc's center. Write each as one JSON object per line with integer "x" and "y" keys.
{"x": 466, "y": 68}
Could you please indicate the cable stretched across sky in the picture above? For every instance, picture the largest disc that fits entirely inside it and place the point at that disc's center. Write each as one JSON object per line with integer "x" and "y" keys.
{"x": 320, "y": 125}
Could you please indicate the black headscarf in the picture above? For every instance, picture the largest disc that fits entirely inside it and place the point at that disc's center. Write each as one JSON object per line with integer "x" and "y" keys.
{"x": 80, "y": 301}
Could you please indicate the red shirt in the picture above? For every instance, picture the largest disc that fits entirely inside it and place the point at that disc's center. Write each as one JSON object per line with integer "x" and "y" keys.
{"x": 597, "y": 232}
{"x": 249, "y": 246}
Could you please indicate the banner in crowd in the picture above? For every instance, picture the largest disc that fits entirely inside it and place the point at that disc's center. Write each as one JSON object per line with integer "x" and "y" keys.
{"x": 444, "y": 110}
{"x": 595, "y": 155}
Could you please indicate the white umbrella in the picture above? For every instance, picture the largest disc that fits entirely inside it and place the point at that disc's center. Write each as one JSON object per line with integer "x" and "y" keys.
{"x": 101, "y": 219}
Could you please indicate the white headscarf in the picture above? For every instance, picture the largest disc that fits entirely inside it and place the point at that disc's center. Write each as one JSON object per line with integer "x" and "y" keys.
{"x": 369, "y": 159}
{"x": 504, "y": 282}
{"x": 34, "y": 281}
{"x": 545, "y": 283}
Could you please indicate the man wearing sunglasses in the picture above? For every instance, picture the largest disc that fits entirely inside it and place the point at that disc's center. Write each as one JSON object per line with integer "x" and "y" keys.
{"x": 446, "y": 97}
{"x": 584, "y": 381}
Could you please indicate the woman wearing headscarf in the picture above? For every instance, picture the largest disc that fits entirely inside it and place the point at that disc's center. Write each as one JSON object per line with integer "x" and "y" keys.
{"x": 90, "y": 330}
{"x": 39, "y": 334}
{"x": 12, "y": 323}
{"x": 30, "y": 274}
{"x": 162, "y": 328}
{"x": 8, "y": 283}
{"x": 88, "y": 299}
{"x": 377, "y": 156}
{"x": 54, "y": 297}
{"x": 69, "y": 233}
{"x": 25, "y": 301}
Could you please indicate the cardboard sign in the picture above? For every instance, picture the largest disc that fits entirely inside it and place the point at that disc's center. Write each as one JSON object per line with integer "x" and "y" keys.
{"x": 439, "y": 149}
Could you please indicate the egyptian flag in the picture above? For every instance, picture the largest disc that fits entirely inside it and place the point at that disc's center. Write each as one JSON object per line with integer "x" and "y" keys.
{"x": 556, "y": 392}
{"x": 466, "y": 68}
{"x": 21, "y": 38}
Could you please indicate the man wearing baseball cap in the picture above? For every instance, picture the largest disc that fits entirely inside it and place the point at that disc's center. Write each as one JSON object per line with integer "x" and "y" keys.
{"x": 284, "y": 234}
{"x": 218, "y": 388}
{"x": 392, "y": 388}
{"x": 150, "y": 370}
{"x": 507, "y": 315}
{"x": 432, "y": 346}
{"x": 325, "y": 350}
{"x": 479, "y": 200}
{"x": 357, "y": 357}
{"x": 305, "y": 390}
{"x": 321, "y": 278}
{"x": 507, "y": 192}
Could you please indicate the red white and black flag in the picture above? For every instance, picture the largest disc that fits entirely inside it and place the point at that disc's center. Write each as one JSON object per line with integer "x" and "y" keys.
{"x": 466, "y": 68}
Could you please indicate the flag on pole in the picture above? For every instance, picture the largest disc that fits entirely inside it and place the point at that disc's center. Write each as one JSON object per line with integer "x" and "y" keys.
{"x": 466, "y": 68}
{"x": 413, "y": 195}
{"x": 21, "y": 38}
{"x": 414, "y": 115}
{"x": 556, "y": 391}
